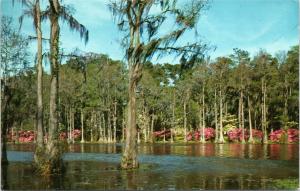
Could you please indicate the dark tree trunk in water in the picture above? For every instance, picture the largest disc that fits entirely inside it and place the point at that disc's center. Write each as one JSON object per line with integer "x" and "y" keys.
{"x": 129, "y": 158}
{"x": 39, "y": 120}
{"x": 54, "y": 160}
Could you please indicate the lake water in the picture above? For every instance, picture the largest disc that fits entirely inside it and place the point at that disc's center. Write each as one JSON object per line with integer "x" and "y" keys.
{"x": 162, "y": 166}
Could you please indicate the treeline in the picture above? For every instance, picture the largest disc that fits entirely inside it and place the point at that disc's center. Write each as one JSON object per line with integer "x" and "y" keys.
{"x": 229, "y": 92}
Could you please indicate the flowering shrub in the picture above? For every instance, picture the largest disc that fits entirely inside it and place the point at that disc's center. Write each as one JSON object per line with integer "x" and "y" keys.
{"x": 189, "y": 136}
{"x": 276, "y": 136}
{"x": 236, "y": 134}
{"x": 63, "y": 136}
{"x": 24, "y": 136}
{"x": 28, "y": 136}
{"x": 76, "y": 133}
{"x": 209, "y": 133}
{"x": 197, "y": 135}
{"x": 161, "y": 134}
{"x": 257, "y": 135}
{"x": 292, "y": 136}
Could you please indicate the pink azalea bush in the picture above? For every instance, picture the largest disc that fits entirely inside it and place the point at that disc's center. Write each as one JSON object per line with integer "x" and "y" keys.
{"x": 161, "y": 134}
{"x": 29, "y": 136}
{"x": 278, "y": 136}
{"x": 236, "y": 134}
{"x": 293, "y": 135}
{"x": 76, "y": 133}
{"x": 63, "y": 136}
{"x": 189, "y": 136}
{"x": 24, "y": 136}
{"x": 257, "y": 135}
{"x": 209, "y": 134}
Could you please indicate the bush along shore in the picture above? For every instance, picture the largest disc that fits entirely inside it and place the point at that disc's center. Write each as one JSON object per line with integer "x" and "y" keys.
{"x": 232, "y": 135}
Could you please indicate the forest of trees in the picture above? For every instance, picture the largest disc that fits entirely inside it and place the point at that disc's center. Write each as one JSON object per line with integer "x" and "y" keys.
{"x": 236, "y": 91}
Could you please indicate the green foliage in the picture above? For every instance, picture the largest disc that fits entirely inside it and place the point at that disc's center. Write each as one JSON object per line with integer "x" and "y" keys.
{"x": 230, "y": 122}
{"x": 286, "y": 184}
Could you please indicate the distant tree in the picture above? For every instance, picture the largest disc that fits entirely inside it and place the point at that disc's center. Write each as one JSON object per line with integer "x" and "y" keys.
{"x": 241, "y": 59}
{"x": 14, "y": 61}
{"x": 221, "y": 73}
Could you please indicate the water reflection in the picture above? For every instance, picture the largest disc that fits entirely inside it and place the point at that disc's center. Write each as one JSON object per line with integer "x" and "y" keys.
{"x": 102, "y": 175}
{"x": 4, "y": 182}
{"x": 251, "y": 151}
{"x": 163, "y": 166}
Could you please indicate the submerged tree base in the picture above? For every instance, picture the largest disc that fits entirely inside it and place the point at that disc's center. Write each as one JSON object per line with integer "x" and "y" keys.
{"x": 128, "y": 163}
{"x": 47, "y": 163}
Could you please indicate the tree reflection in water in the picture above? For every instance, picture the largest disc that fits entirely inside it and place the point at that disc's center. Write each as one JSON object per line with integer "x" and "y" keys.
{"x": 163, "y": 166}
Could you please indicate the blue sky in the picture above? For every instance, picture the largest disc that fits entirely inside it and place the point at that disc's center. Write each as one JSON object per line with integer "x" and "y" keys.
{"x": 247, "y": 24}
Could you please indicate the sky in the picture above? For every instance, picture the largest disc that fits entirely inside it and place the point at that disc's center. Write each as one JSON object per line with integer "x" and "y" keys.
{"x": 250, "y": 25}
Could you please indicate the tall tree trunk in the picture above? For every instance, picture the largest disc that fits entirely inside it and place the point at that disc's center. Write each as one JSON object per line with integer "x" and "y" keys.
{"x": 255, "y": 126}
{"x": 138, "y": 137}
{"x": 105, "y": 139}
{"x": 100, "y": 128}
{"x": 52, "y": 147}
{"x": 115, "y": 122}
{"x": 73, "y": 126}
{"x": 82, "y": 126}
{"x": 239, "y": 113}
{"x": 92, "y": 127}
{"x": 152, "y": 128}
{"x": 226, "y": 109}
{"x": 200, "y": 123}
{"x": 68, "y": 126}
{"x": 250, "y": 121}
{"x": 285, "y": 111}
{"x": 109, "y": 126}
{"x": 265, "y": 113}
{"x": 123, "y": 130}
{"x": 173, "y": 117}
{"x": 216, "y": 118}
{"x": 129, "y": 158}
{"x": 242, "y": 117}
{"x": 203, "y": 116}
{"x": 39, "y": 67}
{"x": 17, "y": 132}
{"x": 164, "y": 134}
{"x": 184, "y": 121}
{"x": 66, "y": 121}
{"x": 221, "y": 137}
